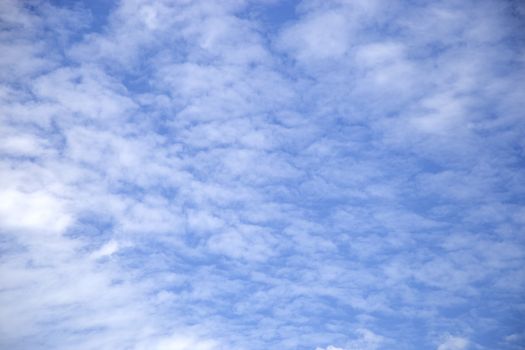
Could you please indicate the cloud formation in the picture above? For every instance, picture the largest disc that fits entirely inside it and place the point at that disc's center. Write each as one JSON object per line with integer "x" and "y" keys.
{"x": 192, "y": 175}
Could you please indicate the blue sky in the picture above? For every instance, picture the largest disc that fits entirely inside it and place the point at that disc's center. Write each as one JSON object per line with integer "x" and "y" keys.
{"x": 231, "y": 175}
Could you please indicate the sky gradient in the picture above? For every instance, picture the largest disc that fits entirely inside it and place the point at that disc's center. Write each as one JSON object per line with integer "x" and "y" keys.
{"x": 260, "y": 175}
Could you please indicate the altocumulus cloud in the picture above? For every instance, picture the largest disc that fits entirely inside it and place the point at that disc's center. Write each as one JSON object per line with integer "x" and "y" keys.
{"x": 209, "y": 175}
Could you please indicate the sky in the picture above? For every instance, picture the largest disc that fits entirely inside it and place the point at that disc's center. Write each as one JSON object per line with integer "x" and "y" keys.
{"x": 260, "y": 175}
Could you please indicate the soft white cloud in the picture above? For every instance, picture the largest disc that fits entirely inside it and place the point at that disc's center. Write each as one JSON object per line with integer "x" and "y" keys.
{"x": 84, "y": 92}
{"x": 454, "y": 343}
{"x": 107, "y": 249}
{"x": 38, "y": 211}
{"x": 247, "y": 175}
{"x": 321, "y": 36}
{"x": 329, "y": 347}
{"x": 367, "y": 340}
{"x": 245, "y": 241}
{"x": 24, "y": 145}
{"x": 179, "y": 342}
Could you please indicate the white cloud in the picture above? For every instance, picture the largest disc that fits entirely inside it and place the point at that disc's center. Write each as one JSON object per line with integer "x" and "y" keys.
{"x": 38, "y": 211}
{"x": 244, "y": 241}
{"x": 319, "y": 36}
{"x": 329, "y": 347}
{"x": 182, "y": 343}
{"x": 107, "y": 249}
{"x": 24, "y": 145}
{"x": 454, "y": 343}
{"x": 84, "y": 92}
{"x": 367, "y": 340}
{"x": 268, "y": 183}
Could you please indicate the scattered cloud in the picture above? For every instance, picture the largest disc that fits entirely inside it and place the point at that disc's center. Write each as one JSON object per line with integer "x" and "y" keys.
{"x": 192, "y": 175}
{"x": 454, "y": 343}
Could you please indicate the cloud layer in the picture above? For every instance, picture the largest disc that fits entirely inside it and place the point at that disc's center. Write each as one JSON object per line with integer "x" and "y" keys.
{"x": 193, "y": 175}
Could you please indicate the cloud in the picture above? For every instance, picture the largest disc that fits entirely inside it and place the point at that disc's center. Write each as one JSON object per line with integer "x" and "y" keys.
{"x": 329, "y": 347}
{"x": 367, "y": 340}
{"x": 249, "y": 175}
{"x": 321, "y": 36}
{"x": 37, "y": 211}
{"x": 454, "y": 343}
{"x": 181, "y": 343}
{"x": 107, "y": 249}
